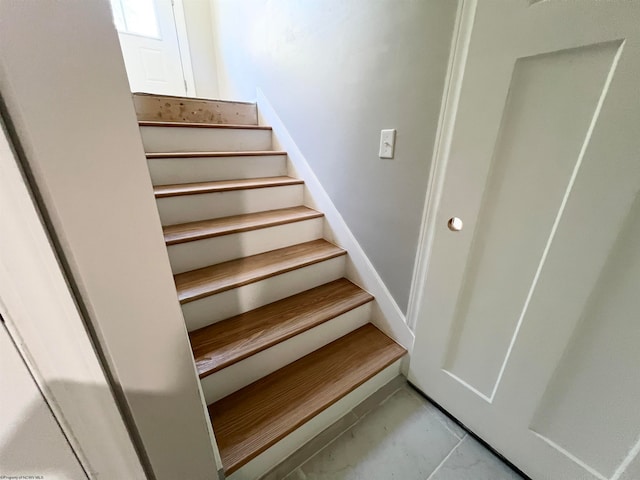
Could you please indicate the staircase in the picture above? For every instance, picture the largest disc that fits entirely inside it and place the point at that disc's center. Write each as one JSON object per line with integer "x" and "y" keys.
{"x": 281, "y": 340}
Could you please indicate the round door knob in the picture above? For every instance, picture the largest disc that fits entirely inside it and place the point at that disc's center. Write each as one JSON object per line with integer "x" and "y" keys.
{"x": 455, "y": 224}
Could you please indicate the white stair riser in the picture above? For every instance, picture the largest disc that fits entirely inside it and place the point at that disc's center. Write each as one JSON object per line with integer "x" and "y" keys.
{"x": 166, "y": 171}
{"x": 209, "y": 251}
{"x": 189, "y": 208}
{"x": 212, "y": 309}
{"x": 292, "y": 442}
{"x": 185, "y": 139}
{"x": 241, "y": 374}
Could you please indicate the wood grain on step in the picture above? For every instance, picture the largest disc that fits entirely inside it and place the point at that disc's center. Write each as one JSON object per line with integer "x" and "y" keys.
{"x": 177, "y": 189}
{"x": 229, "y": 341}
{"x": 167, "y": 108}
{"x": 152, "y": 123}
{"x": 243, "y": 271}
{"x": 187, "y": 232}
{"x": 254, "y": 418}
{"x": 248, "y": 153}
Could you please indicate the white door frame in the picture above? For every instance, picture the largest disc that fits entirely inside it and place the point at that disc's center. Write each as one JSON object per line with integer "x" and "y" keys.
{"x": 179, "y": 26}
{"x": 44, "y": 322}
{"x": 444, "y": 136}
{"x": 183, "y": 46}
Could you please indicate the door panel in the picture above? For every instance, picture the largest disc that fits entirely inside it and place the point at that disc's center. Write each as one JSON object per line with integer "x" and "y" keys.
{"x": 595, "y": 364}
{"x": 529, "y": 324}
{"x": 149, "y": 44}
{"x": 534, "y": 148}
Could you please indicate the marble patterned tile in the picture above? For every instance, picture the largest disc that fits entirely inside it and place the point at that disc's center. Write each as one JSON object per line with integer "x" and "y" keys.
{"x": 456, "y": 429}
{"x": 309, "y": 449}
{"x": 297, "y": 474}
{"x": 380, "y": 396}
{"x": 401, "y": 439}
{"x": 471, "y": 461}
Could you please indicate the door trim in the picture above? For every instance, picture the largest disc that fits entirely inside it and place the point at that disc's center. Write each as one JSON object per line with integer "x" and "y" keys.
{"x": 180, "y": 23}
{"x": 444, "y": 134}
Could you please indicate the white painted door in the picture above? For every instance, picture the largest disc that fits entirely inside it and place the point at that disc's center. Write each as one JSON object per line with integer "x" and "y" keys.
{"x": 529, "y": 323}
{"x": 149, "y": 43}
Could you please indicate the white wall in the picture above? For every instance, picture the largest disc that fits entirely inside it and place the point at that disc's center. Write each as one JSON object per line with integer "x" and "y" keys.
{"x": 64, "y": 86}
{"x": 337, "y": 72}
{"x": 41, "y": 316}
{"x": 197, "y": 15}
{"x": 31, "y": 442}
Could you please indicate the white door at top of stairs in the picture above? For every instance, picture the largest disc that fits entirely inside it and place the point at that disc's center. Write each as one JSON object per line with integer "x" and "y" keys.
{"x": 150, "y": 46}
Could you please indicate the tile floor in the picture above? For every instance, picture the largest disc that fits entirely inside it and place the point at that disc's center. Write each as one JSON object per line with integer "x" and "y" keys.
{"x": 404, "y": 438}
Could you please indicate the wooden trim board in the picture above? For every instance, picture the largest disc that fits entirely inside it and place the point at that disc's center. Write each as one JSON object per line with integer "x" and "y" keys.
{"x": 154, "y": 123}
{"x": 247, "y": 153}
{"x": 202, "y": 99}
{"x": 194, "y": 110}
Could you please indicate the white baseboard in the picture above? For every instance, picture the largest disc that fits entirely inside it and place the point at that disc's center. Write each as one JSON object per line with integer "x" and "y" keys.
{"x": 386, "y": 314}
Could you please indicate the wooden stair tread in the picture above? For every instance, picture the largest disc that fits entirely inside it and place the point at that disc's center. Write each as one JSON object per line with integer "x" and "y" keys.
{"x": 254, "y": 418}
{"x": 155, "y": 123}
{"x": 162, "y": 191}
{"x": 186, "y": 232}
{"x": 224, "y": 343}
{"x": 206, "y": 281}
{"x": 247, "y": 153}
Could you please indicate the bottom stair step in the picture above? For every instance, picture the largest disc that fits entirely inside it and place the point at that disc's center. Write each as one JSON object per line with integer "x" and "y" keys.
{"x": 249, "y": 421}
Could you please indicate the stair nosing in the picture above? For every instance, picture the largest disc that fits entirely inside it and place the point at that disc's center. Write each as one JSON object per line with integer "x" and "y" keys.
{"x": 153, "y": 123}
{"x": 244, "y": 153}
{"x": 303, "y": 216}
{"x": 241, "y": 283}
{"x": 365, "y": 297}
{"x": 197, "y": 99}
{"x": 309, "y": 412}
{"x": 217, "y": 186}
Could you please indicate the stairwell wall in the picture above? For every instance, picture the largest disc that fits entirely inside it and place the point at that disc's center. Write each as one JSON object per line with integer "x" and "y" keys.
{"x": 337, "y": 72}
{"x": 64, "y": 90}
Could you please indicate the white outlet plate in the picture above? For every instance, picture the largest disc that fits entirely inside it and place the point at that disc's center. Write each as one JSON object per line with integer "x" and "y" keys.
{"x": 387, "y": 143}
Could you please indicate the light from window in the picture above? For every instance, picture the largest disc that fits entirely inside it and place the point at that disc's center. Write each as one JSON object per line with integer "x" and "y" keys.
{"x": 136, "y": 16}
